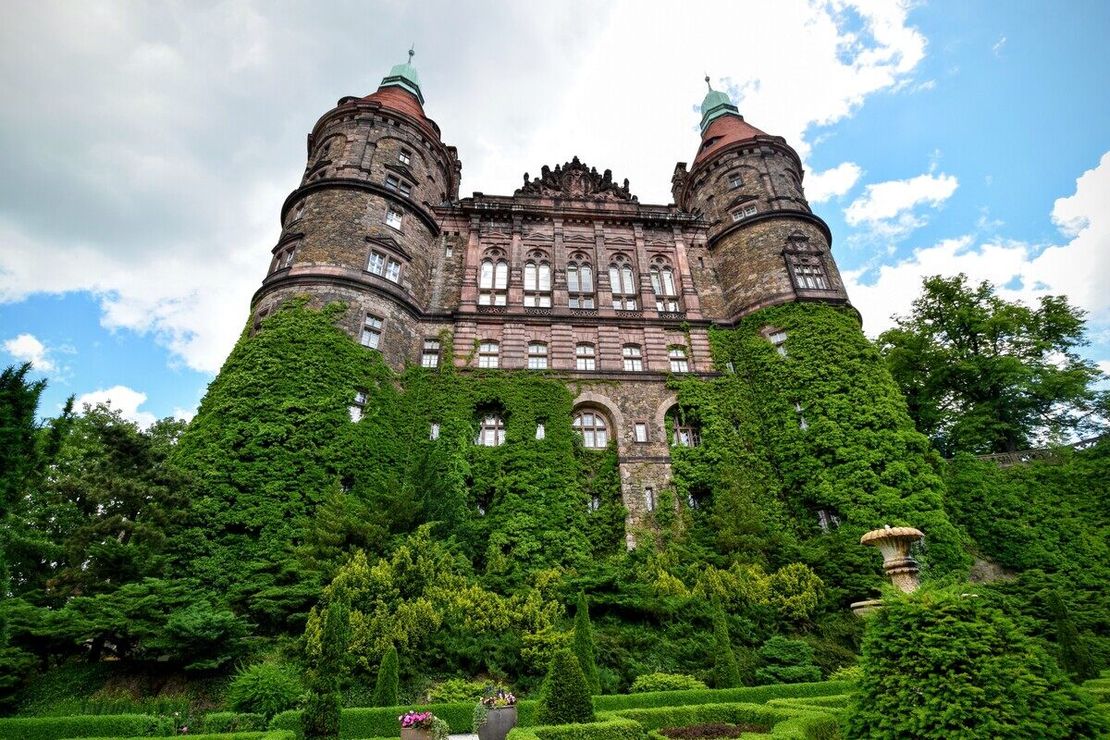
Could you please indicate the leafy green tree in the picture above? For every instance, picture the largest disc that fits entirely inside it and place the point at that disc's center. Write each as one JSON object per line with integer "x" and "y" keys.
{"x": 1074, "y": 655}
{"x": 584, "y": 648}
{"x": 786, "y": 661}
{"x": 565, "y": 698}
{"x": 387, "y": 682}
{"x": 263, "y": 688}
{"x": 982, "y": 374}
{"x": 321, "y": 713}
{"x": 941, "y": 664}
{"x": 726, "y": 672}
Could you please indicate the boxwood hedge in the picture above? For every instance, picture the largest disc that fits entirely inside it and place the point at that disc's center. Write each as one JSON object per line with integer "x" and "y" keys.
{"x": 82, "y": 726}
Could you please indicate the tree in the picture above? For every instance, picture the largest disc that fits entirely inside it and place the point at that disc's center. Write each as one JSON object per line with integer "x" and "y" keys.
{"x": 726, "y": 673}
{"x": 584, "y": 644}
{"x": 940, "y": 664}
{"x": 385, "y": 687}
{"x": 566, "y": 697}
{"x": 321, "y": 713}
{"x": 982, "y": 374}
{"x": 786, "y": 661}
{"x": 1074, "y": 656}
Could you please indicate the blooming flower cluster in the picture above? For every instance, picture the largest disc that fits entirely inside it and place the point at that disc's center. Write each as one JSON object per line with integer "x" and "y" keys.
{"x": 499, "y": 698}
{"x": 421, "y": 720}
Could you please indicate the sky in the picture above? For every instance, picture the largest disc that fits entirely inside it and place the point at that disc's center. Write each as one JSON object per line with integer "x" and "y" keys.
{"x": 148, "y": 147}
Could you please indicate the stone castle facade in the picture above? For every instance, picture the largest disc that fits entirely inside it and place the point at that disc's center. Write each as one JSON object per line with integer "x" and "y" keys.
{"x": 570, "y": 274}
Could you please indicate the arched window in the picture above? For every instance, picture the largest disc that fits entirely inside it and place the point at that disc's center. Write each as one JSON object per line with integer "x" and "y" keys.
{"x": 585, "y": 357}
{"x": 591, "y": 425}
{"x": 633, "y": 358}
{"x": 537, "y": 281}
{"x": 489, "y": 354}
{"x": 491, "y": 430}
{"x": 537, "y": 356}
{"x": 622, "y": 284}
{"x": 663, "y": 285}
{"x": 493, "y": 279}
{"x": 580, "y": 282}
{"x": 684, "y": 428}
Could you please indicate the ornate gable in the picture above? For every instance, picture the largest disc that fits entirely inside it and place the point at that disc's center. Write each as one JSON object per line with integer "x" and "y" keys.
{"x": 575, "y": 180}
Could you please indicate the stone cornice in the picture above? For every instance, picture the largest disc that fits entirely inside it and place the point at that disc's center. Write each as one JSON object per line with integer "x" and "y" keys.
{"x": 769, "y": 215}
{"x": 408, "y": 204}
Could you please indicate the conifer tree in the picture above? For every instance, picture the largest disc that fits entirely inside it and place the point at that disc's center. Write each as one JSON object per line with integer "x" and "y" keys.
{"x": 726, "y": 674}
{"x": 321, "y": 713}
{"x": 385, "y": 688}
{"x": 584, "y": 645}
{"x": 566, "y": 697}
{"x": 1074, "y": 657}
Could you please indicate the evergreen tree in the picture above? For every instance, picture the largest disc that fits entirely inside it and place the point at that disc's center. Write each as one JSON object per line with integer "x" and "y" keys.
{"x": 321, "y": 713}
{"x": 1074, "y": 656}
{"x": 726, "y": 673}
{"x": 385, "y": 688}
{"x": 786, "y": 661}
{"x": 941, "y": 664}
{"x": 584, "y": 644}
{"x": 566, "y": 697}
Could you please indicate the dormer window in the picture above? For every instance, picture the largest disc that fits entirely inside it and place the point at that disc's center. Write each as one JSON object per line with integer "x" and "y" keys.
{"x": 404, "y": 156}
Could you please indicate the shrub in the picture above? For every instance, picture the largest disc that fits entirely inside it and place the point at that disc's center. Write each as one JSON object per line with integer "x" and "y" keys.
{"x": 322, "y": 710}
{"x": 726, "y": 673}
{"x": 264, "y": 688}
{"x": 220, "y": 722}
{"x": 566, "y": 697}
{"x": 385, "y": 687}
{"x": 584, "y": 645}
{"x": 612, "y": 729}
{"x": 787, "y": 661}
{"x": 943, "y": 663}
{"x": 665, "y": 682}
{"x": 101, "y": 725}
{"x": 1074, "y": 655}
{"x": 456, "y": 690}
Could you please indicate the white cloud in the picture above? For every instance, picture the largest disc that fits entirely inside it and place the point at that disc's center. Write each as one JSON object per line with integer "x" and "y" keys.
{"x": 893, "y": 199}
{"x": 832, "y": 183}
{"x": 998, "y": 46}
{"x": 125, "y": 400}
{"x": 1077, "y": 269}
{"x": 184, "y": 414}
{"x": 164, "y": 202}
{"x": 27, "y": 348}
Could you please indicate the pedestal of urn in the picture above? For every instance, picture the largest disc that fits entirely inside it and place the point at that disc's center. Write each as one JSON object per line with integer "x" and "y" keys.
{"x": 894, "y": 543}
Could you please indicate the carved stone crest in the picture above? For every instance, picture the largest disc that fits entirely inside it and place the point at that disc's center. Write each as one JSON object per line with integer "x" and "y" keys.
{"x": 575, "y": 180}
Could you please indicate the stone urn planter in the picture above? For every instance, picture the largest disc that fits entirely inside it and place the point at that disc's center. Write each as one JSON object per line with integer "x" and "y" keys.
{"x": 415, "y": 733}
{"x": 498, "y": 723}
{"x": 894, "y": 543}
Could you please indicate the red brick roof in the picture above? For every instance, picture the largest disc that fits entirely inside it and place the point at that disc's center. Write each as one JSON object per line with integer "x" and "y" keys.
{"x": 402, "y": 101}
{"x": 726, "y": 129}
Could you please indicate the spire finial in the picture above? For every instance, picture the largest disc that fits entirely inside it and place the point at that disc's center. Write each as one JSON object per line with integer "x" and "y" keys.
{"x": 707, "y": 83}
{"x": 412, "y": 52}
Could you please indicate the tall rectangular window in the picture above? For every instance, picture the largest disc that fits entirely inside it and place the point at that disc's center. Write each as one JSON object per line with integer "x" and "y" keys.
{"x": 371, "y": 331}
{"x": 489, "y": 354}
{"x": 356, "y": 407}
{"x": 633, "y": 358}
{"x": 376, "y": 263}
{"x": 641, "y": 435}
{"x": 404, "y": 156}
{"x": 393, "y": 218}
{"x": 430, "y": 356}
{"x": 649, "y": 498}
{"x": 778, "y": 338}
{"x": 393, "y": 270}
{"x": 537, "y": 356}
{"x": 406, "y": 189}
{"x": 392, "y": 182}
{"x": 584, "y": 357}
{"x": 677, "y": 356}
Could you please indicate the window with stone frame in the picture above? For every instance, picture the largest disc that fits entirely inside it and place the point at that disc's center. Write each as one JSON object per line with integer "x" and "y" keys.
{"x": 537, "y": 281}
{"x": 404, "y": 156}
{"x": 493, "y": 279}
{"x": 491, "y": 429}
{"x": 585, "y": 356}
{"x": 283, "y": 257}
{"x": 633, "y": 358}
{"x": 393, "y": 270}
{"x": 663, "y": 285}
{"x": 489, "y": 354}
{"x": 580, "y": 282}
{"x": 683, "y": 426}
{"x": 537, "y": 356}
{"x": 735, "y": 180}
{"x": 777, "y": 337}
{"x": 622, "y": 283}
{"x": 649, "y": 498}
{"x": 429, "y": 357}
{"x": 357, "y": 405}
{"x": 298, "y": 211}
{"x": 593, "y": 428}
{"x": 677, "y": 356}
{"x": 375, "y": 263}
{"x": 371, "y": 331}
{"x": 805, "y": 262}
{"x": 397, "y": 185}
{"x": 394, "y": 217}
{"x": 640, "y": 432}
{"x": 744, "y": 210}
{"x": 433, "y": 431}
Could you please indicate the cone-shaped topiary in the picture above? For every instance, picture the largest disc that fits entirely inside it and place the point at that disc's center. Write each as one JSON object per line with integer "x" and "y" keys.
{"x": 584, "y": 645}
{"x": 566, "y": 697}
{"x": 941, "y": 664}
{"x": 385, "y": 688}
{"x": 321, "y": 713}
{"x": 726, "y": 674}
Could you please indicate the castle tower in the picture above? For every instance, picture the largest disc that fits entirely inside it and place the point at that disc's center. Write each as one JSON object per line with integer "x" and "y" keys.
{"x": 765, "y": 244}
{"x": 361, "y": 227}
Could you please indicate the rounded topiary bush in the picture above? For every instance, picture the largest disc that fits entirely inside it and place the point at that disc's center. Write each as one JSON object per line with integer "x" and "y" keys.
{"x": 941, "y": 664}
{"x": 566, "y": 697}
{"x": 665, "y": 682}
{"x": 786, "y": 661}
{"x": 264, "y": 688}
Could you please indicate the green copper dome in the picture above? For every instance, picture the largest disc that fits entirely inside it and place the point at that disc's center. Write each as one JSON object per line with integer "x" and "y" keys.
{"x": 715, "y": 105}
{"x": 405, "y": 77}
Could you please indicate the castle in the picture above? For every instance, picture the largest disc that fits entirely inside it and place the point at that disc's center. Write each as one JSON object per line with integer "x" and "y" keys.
{"x": 570, "y": 274}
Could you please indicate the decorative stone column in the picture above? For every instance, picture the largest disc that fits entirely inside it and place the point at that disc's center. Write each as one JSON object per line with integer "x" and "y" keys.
{"x": 894, "y": 543}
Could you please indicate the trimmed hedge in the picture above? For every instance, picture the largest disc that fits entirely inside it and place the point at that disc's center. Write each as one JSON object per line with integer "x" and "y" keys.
{"x": 89, "y": 725}
{"x": 809, "y": 727}
{"x": 606, "y": 729}
{"x": 266, "y": 735}
{"x": 224, "y": 722}
{"x": 744, "y": 694}
{"x": 834, "y": 702}
{"x": 371, "y": 722}
{"x": 699, "y": 714}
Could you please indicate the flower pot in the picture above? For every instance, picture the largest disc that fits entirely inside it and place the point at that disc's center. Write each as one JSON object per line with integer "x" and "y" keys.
{"x": 498, "y": 723}
{"x": 415, "y": 733}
